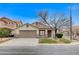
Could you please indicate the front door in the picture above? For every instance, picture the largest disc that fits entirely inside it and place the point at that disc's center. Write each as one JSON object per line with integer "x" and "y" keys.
{"x": 49, "y": 33}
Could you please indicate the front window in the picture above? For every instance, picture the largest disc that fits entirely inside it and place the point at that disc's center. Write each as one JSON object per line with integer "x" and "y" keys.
{"x": 42, "y": 32}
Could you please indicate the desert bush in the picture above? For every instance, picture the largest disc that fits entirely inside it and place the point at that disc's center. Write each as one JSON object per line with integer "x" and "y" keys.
{"x": 59, "y": 35}
{"x": 5, "y": 32}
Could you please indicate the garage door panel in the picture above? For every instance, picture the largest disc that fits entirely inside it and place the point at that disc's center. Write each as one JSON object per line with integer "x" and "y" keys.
{"x": 28, "y": 33}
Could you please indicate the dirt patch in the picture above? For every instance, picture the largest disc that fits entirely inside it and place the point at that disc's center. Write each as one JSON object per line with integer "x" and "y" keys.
{"x": 2, "y": 40}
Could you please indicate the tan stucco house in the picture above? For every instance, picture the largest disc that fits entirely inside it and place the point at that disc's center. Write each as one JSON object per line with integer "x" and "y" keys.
{"x": 36, "y": 29}
{"x": 8, "y": 23}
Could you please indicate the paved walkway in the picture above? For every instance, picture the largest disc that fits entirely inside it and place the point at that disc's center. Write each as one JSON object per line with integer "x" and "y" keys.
{"x": 21, "y": 42}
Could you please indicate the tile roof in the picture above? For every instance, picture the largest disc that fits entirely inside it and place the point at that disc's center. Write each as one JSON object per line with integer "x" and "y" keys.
{"x": 7, "y": 20}
{"x": 18, "y": 22}
{"x": 40, "y": 25}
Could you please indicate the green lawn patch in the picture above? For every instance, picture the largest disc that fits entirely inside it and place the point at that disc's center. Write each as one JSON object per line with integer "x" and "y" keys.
{"x": 64, "y": 41}
{"x": 47, "y": 40}
{"x": 50, "y": 40}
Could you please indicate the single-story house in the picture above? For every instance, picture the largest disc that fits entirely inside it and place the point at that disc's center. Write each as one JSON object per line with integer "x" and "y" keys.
{"x": 36, "y": 29}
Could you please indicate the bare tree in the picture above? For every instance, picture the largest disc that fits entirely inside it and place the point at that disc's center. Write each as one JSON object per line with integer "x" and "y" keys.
{"x": 55, "y": 22}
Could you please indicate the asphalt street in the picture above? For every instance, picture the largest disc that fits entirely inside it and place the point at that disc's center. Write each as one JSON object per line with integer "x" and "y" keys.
{"x": 40, "y": 50}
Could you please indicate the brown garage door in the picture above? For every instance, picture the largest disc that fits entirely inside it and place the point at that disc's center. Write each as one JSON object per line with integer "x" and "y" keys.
{"x": 28, "y": 33}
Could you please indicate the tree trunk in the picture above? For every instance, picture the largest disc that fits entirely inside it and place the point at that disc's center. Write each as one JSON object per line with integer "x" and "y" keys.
{"x": 55, "y": 32}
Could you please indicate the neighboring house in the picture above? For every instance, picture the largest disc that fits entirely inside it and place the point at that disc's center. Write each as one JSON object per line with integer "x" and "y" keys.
{"x": 76, "y": 29}
{"x": 75, "y": 32}
{"x": 36, "y": 29}
{"x": 8, "y": 23}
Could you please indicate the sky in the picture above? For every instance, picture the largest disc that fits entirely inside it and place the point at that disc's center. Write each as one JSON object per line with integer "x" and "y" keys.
{"x": 28, "y": 12}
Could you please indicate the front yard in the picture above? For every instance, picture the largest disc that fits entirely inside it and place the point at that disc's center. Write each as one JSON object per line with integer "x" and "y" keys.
{"x": 54, "y": 41}
{"x": 34, "y": 41}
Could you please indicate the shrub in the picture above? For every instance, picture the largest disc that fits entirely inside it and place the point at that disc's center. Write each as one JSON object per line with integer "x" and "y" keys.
{"x": 65, "y": 41}
{"x": 5, "y": 32}
{"x": 59, "y": 35}
{"x": 47, "y": 40}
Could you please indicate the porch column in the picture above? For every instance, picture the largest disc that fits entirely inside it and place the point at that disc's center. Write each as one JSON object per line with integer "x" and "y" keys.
{"x": 52, "y": 34}
{"x": 46, "y": 33}
{"x": 37, "y": 33}
{"x": 16, "y": 32}
{"x": 75, "y": 36}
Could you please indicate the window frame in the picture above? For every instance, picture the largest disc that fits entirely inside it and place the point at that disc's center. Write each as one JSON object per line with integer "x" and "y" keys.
{"x": 42, "y": 34}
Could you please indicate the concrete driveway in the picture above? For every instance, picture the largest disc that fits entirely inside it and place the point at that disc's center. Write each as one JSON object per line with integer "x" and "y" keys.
{"x": 21, "y": 42}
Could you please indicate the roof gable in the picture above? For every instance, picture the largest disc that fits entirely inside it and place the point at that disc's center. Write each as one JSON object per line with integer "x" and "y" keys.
{"x": 40, "y": 25}
{"x": 7, "y": 20}
{"x": 27, "y": 25}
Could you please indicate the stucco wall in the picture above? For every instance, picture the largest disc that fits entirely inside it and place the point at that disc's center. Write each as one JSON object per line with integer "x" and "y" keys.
{"x": 16, "y": 31}
{"x": 2, "y": 24}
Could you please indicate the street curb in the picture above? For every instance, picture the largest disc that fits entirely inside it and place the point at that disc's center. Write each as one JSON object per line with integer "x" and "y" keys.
{"x": 61, "y": 44}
